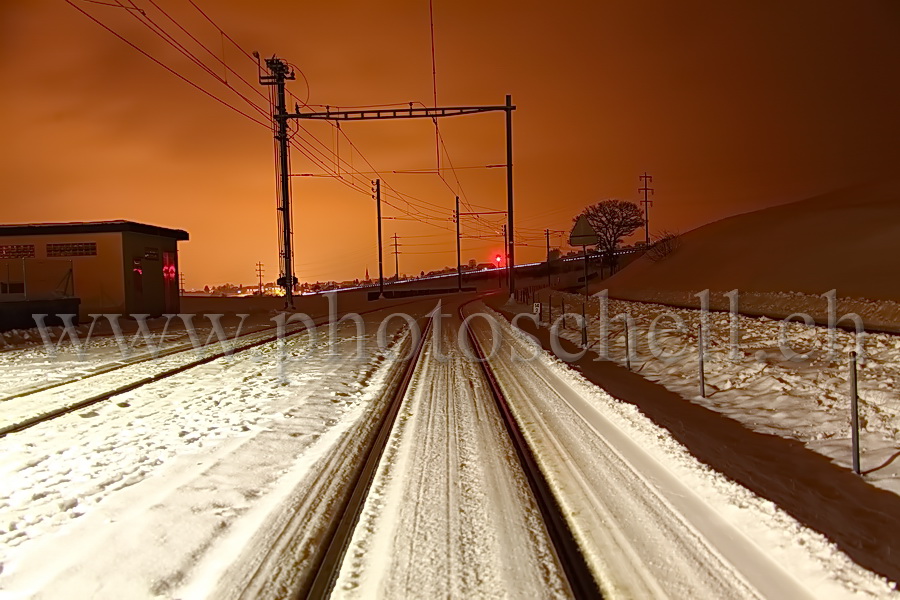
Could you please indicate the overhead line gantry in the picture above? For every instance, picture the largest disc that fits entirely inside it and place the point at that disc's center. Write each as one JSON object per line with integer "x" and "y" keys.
{"x": 280, "y": 73}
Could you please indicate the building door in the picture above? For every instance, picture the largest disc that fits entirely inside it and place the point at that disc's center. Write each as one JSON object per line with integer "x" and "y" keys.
{"x": 170, "y": 282}
{"x": 137, "y": 276}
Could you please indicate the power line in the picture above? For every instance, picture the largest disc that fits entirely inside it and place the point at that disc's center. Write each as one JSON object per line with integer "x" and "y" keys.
{"x": 437, "y": 134}
{"x": 158, "y": 30}
{"x": 308, "y": 151}
{"x": 148, "y": 22}
{"x": 301, "y": 139}
{"x": 165, "y": 66}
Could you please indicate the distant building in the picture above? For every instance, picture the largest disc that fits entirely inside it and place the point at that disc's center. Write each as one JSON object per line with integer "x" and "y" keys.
{"x": 111, "y": 266}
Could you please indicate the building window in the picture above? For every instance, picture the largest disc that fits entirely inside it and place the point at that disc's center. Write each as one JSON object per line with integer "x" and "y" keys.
{"x": 12, "y": 287}
{"x": 17, "y": 251}
{"x": 72, "y": 249}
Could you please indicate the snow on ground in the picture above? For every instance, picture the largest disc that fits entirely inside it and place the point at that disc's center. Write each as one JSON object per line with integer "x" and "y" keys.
{"x": 450, "y": 513}
{"x": 27, "y": 368}
{"x": 84, "y": 379}
{"x": 171, "y": 486}
{"x": 653, "y": 520}
{"x": 882, "y": 315}
{"x": 806, "y": 399}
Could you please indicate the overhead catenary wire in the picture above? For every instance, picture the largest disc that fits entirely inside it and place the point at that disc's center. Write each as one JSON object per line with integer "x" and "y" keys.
{"x": 304, "y": 141}
{"x": 437, "y": 134}
{"x": 166, "y": 67}
{"x": 308, "y": 152}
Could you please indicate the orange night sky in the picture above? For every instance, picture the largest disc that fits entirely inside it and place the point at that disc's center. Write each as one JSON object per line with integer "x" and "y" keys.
{"x": 731, "y": 107}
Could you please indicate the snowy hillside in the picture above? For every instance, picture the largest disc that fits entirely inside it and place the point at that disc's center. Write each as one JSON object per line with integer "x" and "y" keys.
{"x": 783, "y": 258}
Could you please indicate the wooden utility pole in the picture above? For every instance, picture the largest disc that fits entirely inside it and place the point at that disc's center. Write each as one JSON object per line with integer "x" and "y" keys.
{"x": 458, "y": 252}
{"x": 547, "y": 233}
{"x": 547, "y": 236}
{"x": 511, "y": 250}
{"x": 380, "y": 248}
{"x": 506, "y": 257}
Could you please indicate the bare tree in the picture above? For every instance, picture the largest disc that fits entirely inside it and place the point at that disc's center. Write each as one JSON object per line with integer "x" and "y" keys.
{"x": 613, "y": 220}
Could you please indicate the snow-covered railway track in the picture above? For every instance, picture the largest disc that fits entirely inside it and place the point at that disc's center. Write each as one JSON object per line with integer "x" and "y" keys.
{"x": 20, "y": 422}
{"x": 569, "y": 554}
{"x": 328, "y": 567}
{"x": 449, "y": 500}
{"x": 42, "y": 404}
{"x": 219, "y": 482}
{"x": 124, "y": 363}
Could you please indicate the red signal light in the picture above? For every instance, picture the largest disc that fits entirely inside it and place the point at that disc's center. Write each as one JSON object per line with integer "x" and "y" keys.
{"x": 497, "y": 259}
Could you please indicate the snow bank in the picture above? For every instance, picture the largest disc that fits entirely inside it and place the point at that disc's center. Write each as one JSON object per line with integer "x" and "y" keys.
{"x": 805, "y": 399}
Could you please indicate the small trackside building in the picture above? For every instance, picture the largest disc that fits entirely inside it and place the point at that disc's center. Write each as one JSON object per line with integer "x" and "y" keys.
{"x": 117, "y": 267}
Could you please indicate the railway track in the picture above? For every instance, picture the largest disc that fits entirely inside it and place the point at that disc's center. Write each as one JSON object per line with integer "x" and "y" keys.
{"x": 570, "y": 556}
{"x": 120, "y": 364}
{"x": 321, "y": 579}
{"x": 84, "y": 402}
{"x": 578, "y": 575}
{"x": 329, "y": 567}
{"x": 130, "y": 382}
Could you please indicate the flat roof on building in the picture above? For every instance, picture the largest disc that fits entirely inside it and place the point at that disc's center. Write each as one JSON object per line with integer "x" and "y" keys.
{"x": 91, "y": 227}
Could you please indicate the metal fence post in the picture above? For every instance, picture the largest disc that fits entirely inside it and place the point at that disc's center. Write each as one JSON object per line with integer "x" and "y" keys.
{"x": 854, "y": 414}
{"x": 584, "y": 336}
{"x": 627, "y": 346}
{"x": 700, "y": 354}
{"x": 549, "y": 309}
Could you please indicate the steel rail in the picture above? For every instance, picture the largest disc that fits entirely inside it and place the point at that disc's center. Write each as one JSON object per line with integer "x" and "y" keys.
{"x": 329, "y": 567}
{"x": 578, "y": 574}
